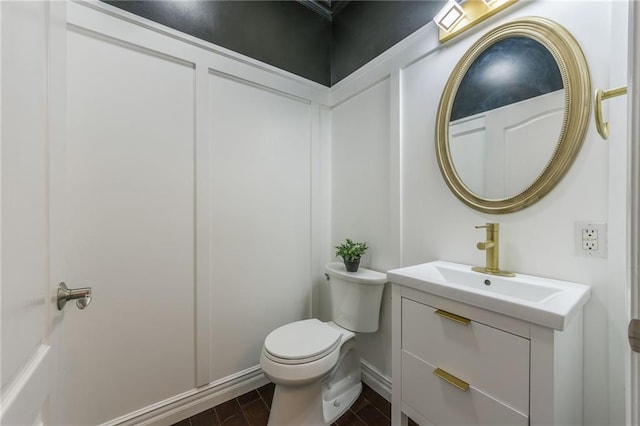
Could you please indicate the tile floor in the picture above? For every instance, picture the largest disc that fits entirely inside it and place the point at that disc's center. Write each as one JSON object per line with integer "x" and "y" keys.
{"x": 252, "y": 409}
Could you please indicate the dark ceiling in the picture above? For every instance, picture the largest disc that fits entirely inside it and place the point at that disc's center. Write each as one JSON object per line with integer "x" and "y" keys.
{"x": 321, "y": 40}
{"x": 326, "y": 8}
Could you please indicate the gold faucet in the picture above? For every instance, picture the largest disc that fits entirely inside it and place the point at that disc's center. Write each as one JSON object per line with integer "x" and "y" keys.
{"x": 491, "y": 247}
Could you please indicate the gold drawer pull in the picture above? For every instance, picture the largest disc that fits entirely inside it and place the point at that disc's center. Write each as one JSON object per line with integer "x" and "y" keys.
{"x": 452, "y": 317}
{"x": 451, "y": 379}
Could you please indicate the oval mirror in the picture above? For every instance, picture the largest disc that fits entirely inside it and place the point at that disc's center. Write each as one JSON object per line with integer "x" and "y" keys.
{"x": 513, "y": 115}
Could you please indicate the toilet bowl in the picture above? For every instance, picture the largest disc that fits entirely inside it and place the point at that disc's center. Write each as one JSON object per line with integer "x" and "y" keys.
{"x": 315, "y": 365}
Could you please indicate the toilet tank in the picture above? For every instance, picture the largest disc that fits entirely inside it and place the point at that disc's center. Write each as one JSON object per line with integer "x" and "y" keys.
{"x": 356, "y": 297}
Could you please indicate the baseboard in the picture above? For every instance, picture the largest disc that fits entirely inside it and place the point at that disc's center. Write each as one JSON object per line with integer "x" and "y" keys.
{"x": 179, "y": 407}
{"x": 187, "y": 404}
{"x": 377, "y": 381}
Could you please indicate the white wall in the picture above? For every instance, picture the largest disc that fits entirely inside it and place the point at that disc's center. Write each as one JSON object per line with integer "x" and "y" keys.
{"x": 361, "y": 206}
{"x": 619, "y": 228}
{"x": 434, "y": 224}
{"x": 131, "y": 204}
{"x": 190, "y": 178}
{"x": 365, "y": 188}
{"x": 260, "y": 218}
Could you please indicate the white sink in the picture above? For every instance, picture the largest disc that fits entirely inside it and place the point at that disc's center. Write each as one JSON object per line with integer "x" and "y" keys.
{"x": 525, "y": 288}
{"x": 543, "y": 301}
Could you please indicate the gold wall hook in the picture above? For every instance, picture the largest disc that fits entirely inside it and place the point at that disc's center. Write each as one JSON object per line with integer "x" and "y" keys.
{"x": 601, "y": 125}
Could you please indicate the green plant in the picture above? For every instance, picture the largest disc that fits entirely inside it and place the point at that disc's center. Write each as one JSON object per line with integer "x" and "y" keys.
{"x": 350, "y": 251}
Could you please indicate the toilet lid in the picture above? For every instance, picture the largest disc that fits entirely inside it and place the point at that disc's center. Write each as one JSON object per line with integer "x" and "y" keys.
{"x": 302, "y": 341}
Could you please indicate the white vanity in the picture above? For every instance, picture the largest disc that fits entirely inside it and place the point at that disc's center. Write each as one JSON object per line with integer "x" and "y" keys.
{"x": 472, "y": 348}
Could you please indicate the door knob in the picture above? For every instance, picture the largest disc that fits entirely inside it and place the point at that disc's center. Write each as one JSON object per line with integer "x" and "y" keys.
{"x": 82, "y": 296}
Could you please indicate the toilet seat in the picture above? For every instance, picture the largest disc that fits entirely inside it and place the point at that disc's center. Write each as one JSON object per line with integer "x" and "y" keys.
{"x": 301, "y": 342}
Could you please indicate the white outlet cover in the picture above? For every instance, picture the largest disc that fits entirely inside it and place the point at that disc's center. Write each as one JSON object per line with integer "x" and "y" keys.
{"x": 591, "y": 234}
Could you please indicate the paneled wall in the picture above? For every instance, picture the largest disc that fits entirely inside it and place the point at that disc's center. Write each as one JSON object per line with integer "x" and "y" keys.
{"x": 131, "y": 194}
{"x": 361, "y": 201}
{"x": 361, "y": 172}
{"x": 427, "y": 221}
{"x": 190, "y": 180}
{"x": 260, "y": 218}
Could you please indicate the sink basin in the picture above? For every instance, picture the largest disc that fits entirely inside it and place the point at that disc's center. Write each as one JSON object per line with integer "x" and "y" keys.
{"x": 526, "y": 288}
{"x": 543, "y": 301}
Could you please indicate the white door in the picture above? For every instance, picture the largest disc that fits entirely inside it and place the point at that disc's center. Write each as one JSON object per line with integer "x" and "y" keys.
{"x": 32, "y": 126}
{"x": 634, "y": 111}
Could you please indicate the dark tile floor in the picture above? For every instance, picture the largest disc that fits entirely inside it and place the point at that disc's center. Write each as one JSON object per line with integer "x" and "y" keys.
{"x": 252, "y": 409}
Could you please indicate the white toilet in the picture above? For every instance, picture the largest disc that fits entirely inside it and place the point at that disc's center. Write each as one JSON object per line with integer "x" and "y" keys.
{"x": 315, "y": 365}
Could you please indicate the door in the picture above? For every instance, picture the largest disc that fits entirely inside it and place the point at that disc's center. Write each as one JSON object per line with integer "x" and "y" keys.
{"x": 32, "y": 126}
{"x": 634, "y": 111}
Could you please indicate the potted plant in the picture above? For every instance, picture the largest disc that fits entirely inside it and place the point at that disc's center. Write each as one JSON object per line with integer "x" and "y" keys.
{"x": 351, "y": 252}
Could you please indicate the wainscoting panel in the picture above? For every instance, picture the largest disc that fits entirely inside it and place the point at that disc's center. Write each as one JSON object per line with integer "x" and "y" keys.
{"x": 131, "y": 193}
{"x": 430, "y": 223}
{"x": 191, "y": 170}
{"x": 260, "y": 217}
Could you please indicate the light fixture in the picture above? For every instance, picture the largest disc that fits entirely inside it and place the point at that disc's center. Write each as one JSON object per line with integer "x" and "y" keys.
{"x": 455, "y": 18}
{"x": 449, "y": 15}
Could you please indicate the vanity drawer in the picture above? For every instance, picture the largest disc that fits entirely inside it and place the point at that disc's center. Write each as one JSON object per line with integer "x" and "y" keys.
{"x": 440, "y": 403}
{"x": 490, "y": 360}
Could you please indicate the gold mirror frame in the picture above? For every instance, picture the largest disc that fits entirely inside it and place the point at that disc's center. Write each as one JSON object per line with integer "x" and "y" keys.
{"x": 577, "y": 84}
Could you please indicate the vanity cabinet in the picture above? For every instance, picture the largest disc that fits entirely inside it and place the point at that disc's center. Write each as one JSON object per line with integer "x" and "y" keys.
{"x": 457, "y": 364}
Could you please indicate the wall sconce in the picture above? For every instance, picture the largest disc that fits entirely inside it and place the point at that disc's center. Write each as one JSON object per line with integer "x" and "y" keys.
{"x": 449, "y": 15}
{"x": 455, "y": 18}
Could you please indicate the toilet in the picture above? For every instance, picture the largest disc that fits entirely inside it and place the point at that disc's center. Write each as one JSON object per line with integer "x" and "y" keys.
{"x": 315, "y": 365}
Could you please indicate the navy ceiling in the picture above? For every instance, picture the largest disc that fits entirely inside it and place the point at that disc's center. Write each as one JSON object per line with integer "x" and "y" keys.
{"x": 321, "y": 40}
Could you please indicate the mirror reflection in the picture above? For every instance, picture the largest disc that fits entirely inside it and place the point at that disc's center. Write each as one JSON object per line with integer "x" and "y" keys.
{"x": 513, "y": 115}
{"x": 506, "y": 118}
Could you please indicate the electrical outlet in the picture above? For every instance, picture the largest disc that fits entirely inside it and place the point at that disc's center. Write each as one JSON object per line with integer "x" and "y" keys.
{"x": 591, "y": 239}
{"x": 589, "y": 232}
